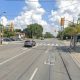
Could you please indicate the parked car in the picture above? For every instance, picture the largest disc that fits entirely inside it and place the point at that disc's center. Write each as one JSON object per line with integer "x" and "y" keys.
{"x": 7, "y": 39}
{"x": 12, "y": 39}
{"x": 28, "y": 43}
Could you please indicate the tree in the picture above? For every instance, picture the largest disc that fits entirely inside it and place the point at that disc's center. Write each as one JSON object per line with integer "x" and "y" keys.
{"x": 59, "y": 34}
{"x": 34, "y": 30}
{"x": 27, "y": 32}
{"x": 69, "y": 31}
{"x": 17, "y": 30}
{"x": 8, "y": 33}
{"x": 48, "y": 35}
{"x": 1, "y": 27}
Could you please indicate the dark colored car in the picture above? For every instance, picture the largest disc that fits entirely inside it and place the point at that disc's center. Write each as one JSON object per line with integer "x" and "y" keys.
{"x": 28, "y": 43}
{"x": 7, "y": 39}
{"x": 12, "y": 39}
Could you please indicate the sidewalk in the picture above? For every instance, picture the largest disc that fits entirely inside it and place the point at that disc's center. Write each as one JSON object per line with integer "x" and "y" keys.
{"x": 76, "y": 58}
{"x": 4, "y": 43}
{"x": 74, "y": 54}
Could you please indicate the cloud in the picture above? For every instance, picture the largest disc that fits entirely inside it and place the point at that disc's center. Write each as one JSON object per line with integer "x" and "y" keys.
{"x": 66, "y": 8}
{"x": 32, "y": 13}
{"x": 32, "y": 4}
{"x": 4, "y": 20}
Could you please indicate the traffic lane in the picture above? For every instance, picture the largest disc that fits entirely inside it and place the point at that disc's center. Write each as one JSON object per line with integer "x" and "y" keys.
{"x": 40, "y": 70}
{"x": 43, "y": 73}
{"x": 13, "y": 69}
{"x": 12, "y": 50}
{"x": 29, "y": 75}
{"x": 9, "y": 46}
{"x": 53, "y": 70}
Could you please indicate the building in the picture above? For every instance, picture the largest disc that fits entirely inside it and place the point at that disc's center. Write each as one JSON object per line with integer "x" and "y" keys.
{"x": 20, "y": 35}
{"x": 11, "y": 27}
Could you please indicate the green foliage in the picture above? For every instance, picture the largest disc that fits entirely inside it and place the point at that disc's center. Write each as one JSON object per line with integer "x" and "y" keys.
{"x": 8, "y": 33}
{"x": 78, "y": 28}
{"x": 17, "y": 30}
{"x": 48, "y": 35}
{"x": 59, "y": 34}
{"x": 1, "y": 27}
{"x": 70, "y": 30}
{"x": 34, "y": 30}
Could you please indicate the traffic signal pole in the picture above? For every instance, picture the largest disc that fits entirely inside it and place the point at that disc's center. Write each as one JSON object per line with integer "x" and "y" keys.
{"x": 73, "y": 37}
{"x": 62, "y": 27}
{"x": 1, "y": 33}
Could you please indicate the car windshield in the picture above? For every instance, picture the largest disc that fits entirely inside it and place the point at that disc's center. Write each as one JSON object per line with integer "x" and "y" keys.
{"x": 39, "y": 39}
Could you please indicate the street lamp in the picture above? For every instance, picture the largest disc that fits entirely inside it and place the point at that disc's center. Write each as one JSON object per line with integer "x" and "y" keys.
{"x": 2, "y": 29}
{"x": 32, "y": 24}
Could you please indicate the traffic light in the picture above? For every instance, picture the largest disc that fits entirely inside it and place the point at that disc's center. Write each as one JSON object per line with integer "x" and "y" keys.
{"x": 62, "y": 21}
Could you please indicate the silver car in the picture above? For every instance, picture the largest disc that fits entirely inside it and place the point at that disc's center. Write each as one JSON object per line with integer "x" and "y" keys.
{"x": 28, "y": 43}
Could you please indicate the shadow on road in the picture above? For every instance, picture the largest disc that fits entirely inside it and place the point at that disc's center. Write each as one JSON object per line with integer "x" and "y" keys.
{"x": 67, "y": 49}
{"x": 64, "y": 49}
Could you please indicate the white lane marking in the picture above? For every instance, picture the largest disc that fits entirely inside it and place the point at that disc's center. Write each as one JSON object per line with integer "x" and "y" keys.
{"x": 48, "y": 44}
{"x": 52, "y": 44}
{"x": 48, "y": 62}
{"x": 24, "y": 48}
{"x": 35, "y": 71}
{"x": 14, "y": 57}
{"x": 56, "y": 45}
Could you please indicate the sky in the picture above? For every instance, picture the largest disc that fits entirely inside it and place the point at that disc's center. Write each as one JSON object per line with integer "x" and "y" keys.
{"x": 45, "y": 12}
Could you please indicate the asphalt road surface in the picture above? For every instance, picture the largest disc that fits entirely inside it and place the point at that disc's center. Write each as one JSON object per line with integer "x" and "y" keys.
{"x": 48, "y": 60}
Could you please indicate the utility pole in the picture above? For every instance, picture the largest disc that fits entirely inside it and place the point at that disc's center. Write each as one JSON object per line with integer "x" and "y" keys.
{"x": 32, "y": 24}
{"x": 72, "y": 41}
{"x": 74, "y": 37}
{"x": 1, "y": 33}
{"x": 2, "y": 28}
